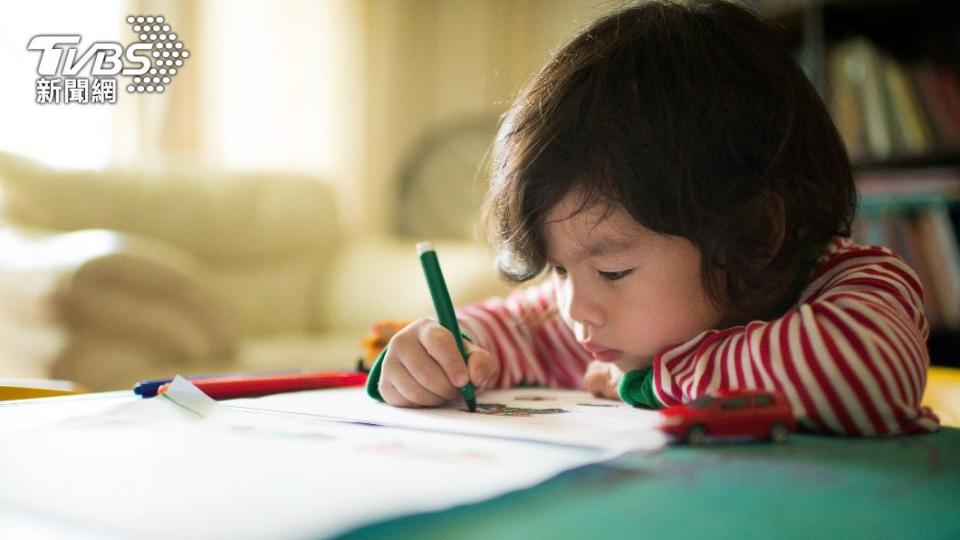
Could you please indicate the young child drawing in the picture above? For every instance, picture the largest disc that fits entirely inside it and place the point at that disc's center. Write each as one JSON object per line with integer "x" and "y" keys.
{"x": 679, "y": 186}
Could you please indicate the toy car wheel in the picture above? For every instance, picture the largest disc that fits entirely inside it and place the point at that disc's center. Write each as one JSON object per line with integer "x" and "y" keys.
{"x": 778, "y": 433}
{"x": 696, "y": 435}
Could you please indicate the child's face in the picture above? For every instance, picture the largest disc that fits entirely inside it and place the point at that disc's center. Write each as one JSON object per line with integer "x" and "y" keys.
{"x": 626, "y": 291}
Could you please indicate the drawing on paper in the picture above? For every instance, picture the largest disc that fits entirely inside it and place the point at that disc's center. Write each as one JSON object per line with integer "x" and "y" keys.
{"x": 534, "y": 398}
{"x": 598, "y": 404}
{"x": 499, "y": 409}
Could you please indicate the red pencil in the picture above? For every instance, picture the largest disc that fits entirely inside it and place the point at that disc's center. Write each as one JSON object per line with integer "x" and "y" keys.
{"x": 262, "y": 385}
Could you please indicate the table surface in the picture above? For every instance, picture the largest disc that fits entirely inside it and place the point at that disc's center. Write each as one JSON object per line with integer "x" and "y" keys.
{"x": 812, "y": 487}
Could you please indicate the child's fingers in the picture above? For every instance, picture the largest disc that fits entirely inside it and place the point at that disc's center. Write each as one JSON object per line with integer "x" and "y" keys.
{"x": 612, "y": 392}
{"x": 441, "y": 345}
{"x": 601, "y": 380}
{"x": 616, "y": 375}
{"x": 391, "y": 395}
{"x": 409, "y": 388}
{"x": 427, "y": 372}
{"x": 481, "y": 366}
{"x": 595, "y": 381}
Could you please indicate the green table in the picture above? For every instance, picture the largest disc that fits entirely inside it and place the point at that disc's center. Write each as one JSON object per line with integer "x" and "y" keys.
{"x": 811, "y": 487}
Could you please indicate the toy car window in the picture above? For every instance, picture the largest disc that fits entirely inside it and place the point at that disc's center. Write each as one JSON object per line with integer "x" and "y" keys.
{"x": 702, "y": 401}
{"x": 762, "y": 401}
{"x": 734, "y": 403}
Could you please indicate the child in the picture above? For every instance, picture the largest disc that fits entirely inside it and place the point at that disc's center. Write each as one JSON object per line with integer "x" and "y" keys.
{"x": 682, "y": 184}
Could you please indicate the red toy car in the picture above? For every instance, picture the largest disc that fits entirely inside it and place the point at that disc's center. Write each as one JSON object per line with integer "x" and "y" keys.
{"x": 730, "y": 414}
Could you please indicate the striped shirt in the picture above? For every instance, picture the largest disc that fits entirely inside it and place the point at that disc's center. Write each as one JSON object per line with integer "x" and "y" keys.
{"x": 849, "y": 355}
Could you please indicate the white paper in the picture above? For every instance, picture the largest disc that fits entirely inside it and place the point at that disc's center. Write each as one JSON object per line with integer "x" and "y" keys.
{"x": 186, "y": 466}
{"x": 585, "y": 421}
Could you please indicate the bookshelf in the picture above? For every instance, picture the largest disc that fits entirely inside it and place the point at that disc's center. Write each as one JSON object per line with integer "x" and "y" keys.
{"x": 889, "y": 70}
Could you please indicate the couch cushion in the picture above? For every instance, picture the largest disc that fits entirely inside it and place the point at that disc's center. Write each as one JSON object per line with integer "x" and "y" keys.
{"x": 214, "y": 215}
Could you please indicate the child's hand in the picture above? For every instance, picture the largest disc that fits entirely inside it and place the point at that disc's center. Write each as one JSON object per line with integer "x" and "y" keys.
{"x": 423, "y": 367}
{"x": 602, "y": 379}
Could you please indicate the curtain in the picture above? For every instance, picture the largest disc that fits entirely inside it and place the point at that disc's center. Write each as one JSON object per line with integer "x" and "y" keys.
{"x": 339, "y": 89}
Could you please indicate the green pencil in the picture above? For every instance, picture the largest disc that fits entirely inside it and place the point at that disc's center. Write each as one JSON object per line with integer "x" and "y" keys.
{"x": 444, "y": 307}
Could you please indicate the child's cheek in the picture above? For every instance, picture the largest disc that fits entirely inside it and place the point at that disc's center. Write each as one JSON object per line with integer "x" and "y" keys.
{"x": 563, "y": 304}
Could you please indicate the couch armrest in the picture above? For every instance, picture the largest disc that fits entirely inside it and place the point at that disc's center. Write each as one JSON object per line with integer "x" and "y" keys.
{"x": 104, "y": 286}
{"x": 379, "y": 277}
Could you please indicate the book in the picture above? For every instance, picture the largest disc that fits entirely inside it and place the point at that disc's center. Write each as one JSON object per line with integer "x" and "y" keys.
{"x": 919, "y": 260}
{"x": 886, "y": 107}
{"x": 846, "y": 79}
{"x": 880, "y": 133}
{"x": 906, "y": 112}
{"x": 946, "y": 132}
{"x": 949, "y": 90}
{"x": 939, "y": 243}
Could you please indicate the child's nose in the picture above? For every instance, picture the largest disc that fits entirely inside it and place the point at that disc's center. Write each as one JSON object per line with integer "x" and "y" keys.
{"x": 584, "y": 307}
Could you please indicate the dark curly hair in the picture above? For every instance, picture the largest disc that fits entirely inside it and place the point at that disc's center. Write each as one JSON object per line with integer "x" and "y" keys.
{"x": 696, "y": 120}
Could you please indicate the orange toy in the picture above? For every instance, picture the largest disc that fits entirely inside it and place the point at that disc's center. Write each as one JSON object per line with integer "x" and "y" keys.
{"x": 374, "y": 342}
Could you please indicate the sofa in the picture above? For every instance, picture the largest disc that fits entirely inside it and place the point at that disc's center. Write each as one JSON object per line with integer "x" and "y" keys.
{"x": 112, "y": 276}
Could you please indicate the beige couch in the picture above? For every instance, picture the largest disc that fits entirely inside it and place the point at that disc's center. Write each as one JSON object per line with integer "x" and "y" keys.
{"x": 108, "y": 277}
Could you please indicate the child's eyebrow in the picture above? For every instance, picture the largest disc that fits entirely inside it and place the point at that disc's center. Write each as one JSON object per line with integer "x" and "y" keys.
{"x": 604, "y": 246}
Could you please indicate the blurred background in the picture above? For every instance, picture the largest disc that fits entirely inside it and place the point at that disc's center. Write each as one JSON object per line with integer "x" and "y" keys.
{"x": 262, "y": 211}
{"x": 338, "y": 89}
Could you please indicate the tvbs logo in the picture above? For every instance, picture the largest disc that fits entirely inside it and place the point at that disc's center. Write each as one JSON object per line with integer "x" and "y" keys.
{"x": 151, "y": 63}
{"x": 106, "y": 56}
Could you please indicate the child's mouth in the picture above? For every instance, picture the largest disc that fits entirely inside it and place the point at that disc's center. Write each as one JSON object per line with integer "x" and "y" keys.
{"x": 608, "y": 355}
{"x": 602, "y": 353}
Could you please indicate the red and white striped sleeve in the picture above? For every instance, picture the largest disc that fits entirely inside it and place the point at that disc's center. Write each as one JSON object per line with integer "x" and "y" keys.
{"x": 531, "y": 343}
{"x": 850, "y": 356}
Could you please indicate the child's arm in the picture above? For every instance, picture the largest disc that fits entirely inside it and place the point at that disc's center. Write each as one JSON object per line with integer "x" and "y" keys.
{"x": 520, "y": 338}
{"x": 528, "y": 339}
{"x": 851, "y": 357}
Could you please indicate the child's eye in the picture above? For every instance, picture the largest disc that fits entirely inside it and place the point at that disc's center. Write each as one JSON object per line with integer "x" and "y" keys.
{"x": 559, "y": 271}
{"x": 614, "y": 276}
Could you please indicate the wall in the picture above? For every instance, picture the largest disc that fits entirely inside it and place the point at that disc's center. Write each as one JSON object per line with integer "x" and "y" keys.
{"x": 434, "y": 61}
